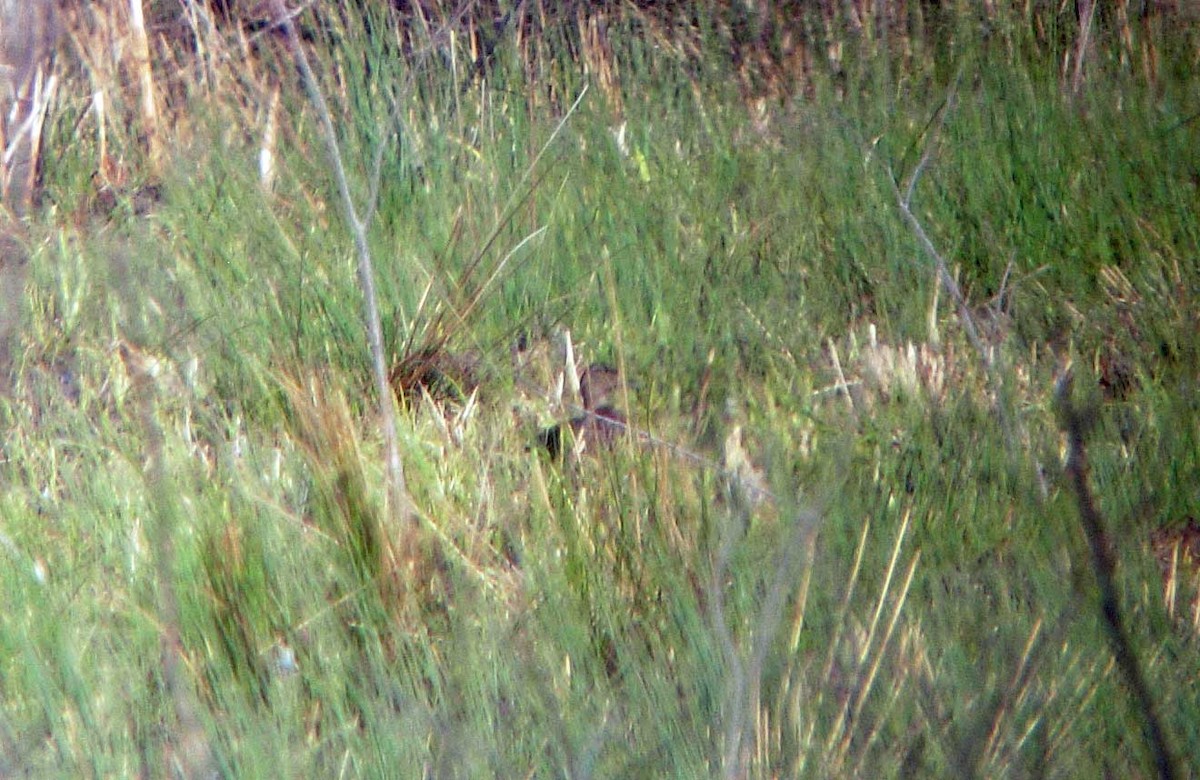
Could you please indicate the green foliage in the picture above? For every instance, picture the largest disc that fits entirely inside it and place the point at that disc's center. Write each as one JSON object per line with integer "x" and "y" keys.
{"x": 913, "y": 597}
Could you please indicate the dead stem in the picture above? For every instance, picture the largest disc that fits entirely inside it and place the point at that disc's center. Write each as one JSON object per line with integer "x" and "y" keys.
{"x": 398, "y": 498}
{"x": 1075, "y": 422}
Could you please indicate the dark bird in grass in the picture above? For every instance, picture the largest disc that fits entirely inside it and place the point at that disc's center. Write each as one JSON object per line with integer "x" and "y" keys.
{"x": 600, "y": 423}
{"x": 599, "y": 386}
{"x": 602, "y": 426}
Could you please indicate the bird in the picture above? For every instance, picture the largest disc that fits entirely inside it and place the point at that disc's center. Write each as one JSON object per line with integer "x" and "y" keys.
{"x": 598, "y": 384}
{"x": 602, "y": 426}
{"x": 600, "y": 421}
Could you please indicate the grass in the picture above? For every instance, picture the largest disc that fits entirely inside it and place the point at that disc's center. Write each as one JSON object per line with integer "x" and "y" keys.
{"x": 192, "y": 448}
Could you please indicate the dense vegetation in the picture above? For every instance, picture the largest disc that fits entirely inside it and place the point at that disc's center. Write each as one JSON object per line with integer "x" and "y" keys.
{"x": 838, "y": 539}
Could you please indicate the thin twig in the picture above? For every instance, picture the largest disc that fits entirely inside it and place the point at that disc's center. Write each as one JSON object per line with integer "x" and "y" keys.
{"x": 904, "y": 203}
{"x": 942, "y": 269}
{"x": 947, "y": 279}
{"x": 398, "y": 497}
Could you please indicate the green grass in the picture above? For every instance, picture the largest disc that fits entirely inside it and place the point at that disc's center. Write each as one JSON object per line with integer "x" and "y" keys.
{"x": 915, "y": 599}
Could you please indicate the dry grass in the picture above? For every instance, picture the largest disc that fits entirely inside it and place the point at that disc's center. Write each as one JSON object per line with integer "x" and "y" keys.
{"x": 807, "y": 546}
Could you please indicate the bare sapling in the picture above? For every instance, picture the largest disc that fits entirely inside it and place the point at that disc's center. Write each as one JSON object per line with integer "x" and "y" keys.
{"x": 398, "y": 498}
{"x": 987, "y": 352}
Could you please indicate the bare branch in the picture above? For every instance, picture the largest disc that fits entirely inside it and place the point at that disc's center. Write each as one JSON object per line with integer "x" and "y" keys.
{"x": 947, "y": 280}
{"x": 1075, "y": 423}
{"x": 927, "y": 153}
{"x": 944, "y": 276}
{"x": 397, "y": 491}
